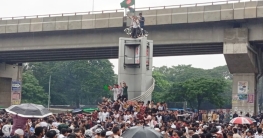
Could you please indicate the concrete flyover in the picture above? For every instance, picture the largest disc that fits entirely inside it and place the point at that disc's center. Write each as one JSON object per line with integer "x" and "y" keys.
{"x": 175, "y": 30}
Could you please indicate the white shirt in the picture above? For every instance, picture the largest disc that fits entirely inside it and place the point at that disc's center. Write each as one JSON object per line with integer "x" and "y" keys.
{"x": 258, "y": 136}
{"x": 100, "y": 116}
{"x": 159, "y": 119}
{"x": 120, "y": 91}
{"x": 7, "y": 129}
{"x": 61, "y": 136}
{"x": 160, "y": 108}
{"x": 116, "y": 116}
{"x": 135, "y": 24}
{"x": 104, "y": 115}
{"x": 115, "y": 93}
{"x": 127, "y": 117}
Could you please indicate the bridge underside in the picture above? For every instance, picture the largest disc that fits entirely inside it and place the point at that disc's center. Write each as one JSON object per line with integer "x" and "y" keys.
{"x": 104, "y": 53}
{"x": 168, "y": 40}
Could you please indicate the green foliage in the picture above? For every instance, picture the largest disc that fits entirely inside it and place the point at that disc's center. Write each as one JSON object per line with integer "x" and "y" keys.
{"x": 169, "y": 81}
{"x": 161, "y": 86}
{"x": 74, "y": 82}
{"x": 199, "y": 90}
{"x": 32, "y": 92}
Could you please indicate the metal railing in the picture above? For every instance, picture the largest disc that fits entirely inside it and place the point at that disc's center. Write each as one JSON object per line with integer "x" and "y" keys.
{"x": 146, "y": 94}
{"x": 122, "y": 10}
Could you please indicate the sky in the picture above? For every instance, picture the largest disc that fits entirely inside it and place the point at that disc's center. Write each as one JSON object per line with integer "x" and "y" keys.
{"x": 14, "y": 8}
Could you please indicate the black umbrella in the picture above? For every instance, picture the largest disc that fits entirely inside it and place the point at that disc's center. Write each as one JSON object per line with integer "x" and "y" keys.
{"x": 141, "y": 132}
{"x": 29, "y": 110}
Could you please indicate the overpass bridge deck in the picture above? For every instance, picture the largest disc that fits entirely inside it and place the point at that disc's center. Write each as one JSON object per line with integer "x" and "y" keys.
{"x": 162, "y": 15}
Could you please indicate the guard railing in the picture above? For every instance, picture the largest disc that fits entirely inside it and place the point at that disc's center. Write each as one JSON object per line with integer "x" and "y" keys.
{"x": 145, "y": 95}
{"x": 122, "y": 10}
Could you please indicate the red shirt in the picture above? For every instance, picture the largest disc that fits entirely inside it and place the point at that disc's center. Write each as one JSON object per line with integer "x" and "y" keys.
{"x": 95, "y": 116}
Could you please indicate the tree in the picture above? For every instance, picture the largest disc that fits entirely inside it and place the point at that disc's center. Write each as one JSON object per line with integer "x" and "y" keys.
{"x": 161, "y": 87}
{"x": 75, "y": 82}
{"x": 198, "y": 90}
{"x": 220, "y": 72}
{"x": 32, "y": 92}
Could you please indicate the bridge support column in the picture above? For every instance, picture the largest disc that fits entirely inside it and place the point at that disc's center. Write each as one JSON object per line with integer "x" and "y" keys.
{"x": 241, "y": 62}
{"x": 10, "y": 84}
{"x": 135, "y": 66}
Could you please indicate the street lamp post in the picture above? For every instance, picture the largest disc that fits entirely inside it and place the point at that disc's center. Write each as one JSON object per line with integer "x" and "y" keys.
{"x": 92, "y": 5}
{"x": 49, "y": 91}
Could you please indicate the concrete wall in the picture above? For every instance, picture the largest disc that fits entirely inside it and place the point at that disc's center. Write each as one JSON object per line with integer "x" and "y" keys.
{"x": 243, "y": 105}
{"x": 162, "y": 35}
{"x": 241, "y": 63}
{"x": 7, "y": 74}
{"x": 210, "y": 13}
{"x": 138, "y": 78}
{"x": 75, "y": 22}
{"x": 239, "y": 57}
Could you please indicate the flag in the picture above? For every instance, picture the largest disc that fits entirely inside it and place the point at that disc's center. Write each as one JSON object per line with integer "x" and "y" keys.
{"x": 132, "y": 10}
{"x": 106, "y": 87}
{"x": 127, "y": 3}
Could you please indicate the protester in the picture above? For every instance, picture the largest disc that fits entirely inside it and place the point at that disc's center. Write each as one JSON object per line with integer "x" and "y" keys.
{"x": 114, "y": 117}
{"x": 135, "y": 26}
{"x": 142, "y": 20}
{"x": 19, "y": 133}
{"x": 7, "y": 129}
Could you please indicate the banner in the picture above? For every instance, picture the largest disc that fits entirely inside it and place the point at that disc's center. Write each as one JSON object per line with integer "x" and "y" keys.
{"x": 242, "y": 97}
{"x": 137, "y": 55}
{"x": 16, "y": 92}
{"x": 16, "y": 86}
{"x": 16, "y": 98}
{"x": 242, "y": 87}
{"x": 147, "y": 56}
{"x": 250, "y": 98}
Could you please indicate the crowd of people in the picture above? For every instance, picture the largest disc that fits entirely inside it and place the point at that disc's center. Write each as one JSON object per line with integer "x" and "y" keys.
{"x": 114, "y": 117}
{"x": 117, "y": 115}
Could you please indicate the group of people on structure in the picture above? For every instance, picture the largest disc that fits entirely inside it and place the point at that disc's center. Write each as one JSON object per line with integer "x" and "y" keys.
{"x": 119, "y": 91}
{"x": 137, "y": 25}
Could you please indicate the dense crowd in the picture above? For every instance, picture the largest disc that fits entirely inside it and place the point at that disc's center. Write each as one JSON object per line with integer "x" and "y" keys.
{"x": 114, "y": 118}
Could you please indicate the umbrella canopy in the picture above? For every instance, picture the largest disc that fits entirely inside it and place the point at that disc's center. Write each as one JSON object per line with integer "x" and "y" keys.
{"x": 252, "y": 119}
{"x": 89, "y": 110}
{"x": 141, "y": 132}
{"x": 76, "y": 110}
{"x": 29, "y": 110}
{"x": 241, "y": 120}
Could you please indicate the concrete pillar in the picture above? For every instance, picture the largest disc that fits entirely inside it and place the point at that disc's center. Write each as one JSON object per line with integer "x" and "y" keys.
{"x": 10, "y": 84}
{"x": 241, "y": 61}
{"x": 135, "y": 65}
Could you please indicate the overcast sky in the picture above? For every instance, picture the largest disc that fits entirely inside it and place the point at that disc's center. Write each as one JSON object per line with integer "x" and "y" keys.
{"x": 12, "y": 8}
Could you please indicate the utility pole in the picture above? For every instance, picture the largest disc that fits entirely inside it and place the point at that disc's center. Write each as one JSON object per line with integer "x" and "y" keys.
{"x": 92, "y": 5}
{"x": 49, "y": 92}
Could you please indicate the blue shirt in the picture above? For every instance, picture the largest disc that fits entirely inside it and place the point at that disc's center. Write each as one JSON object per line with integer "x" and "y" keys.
{"x": 142, "y": 22}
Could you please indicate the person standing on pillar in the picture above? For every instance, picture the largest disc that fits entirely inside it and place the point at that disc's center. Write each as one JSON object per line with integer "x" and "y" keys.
{"x": 141, "y": 19}
{"x": 120, "y": 91}
{"x": 115, "y": 91}
{"x": 135, "y": 26}
{"x": 125, "y": 91}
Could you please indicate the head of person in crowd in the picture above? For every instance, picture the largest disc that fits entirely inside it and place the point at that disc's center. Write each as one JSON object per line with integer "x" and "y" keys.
{"x": 39, "y": 132}
{"x": 51, "y": 134}
{"x": 72, "y": 135}
{"x": 19, "y": 133}
{"x": 116, "y": 131}
{"x": 78, "y": 132}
